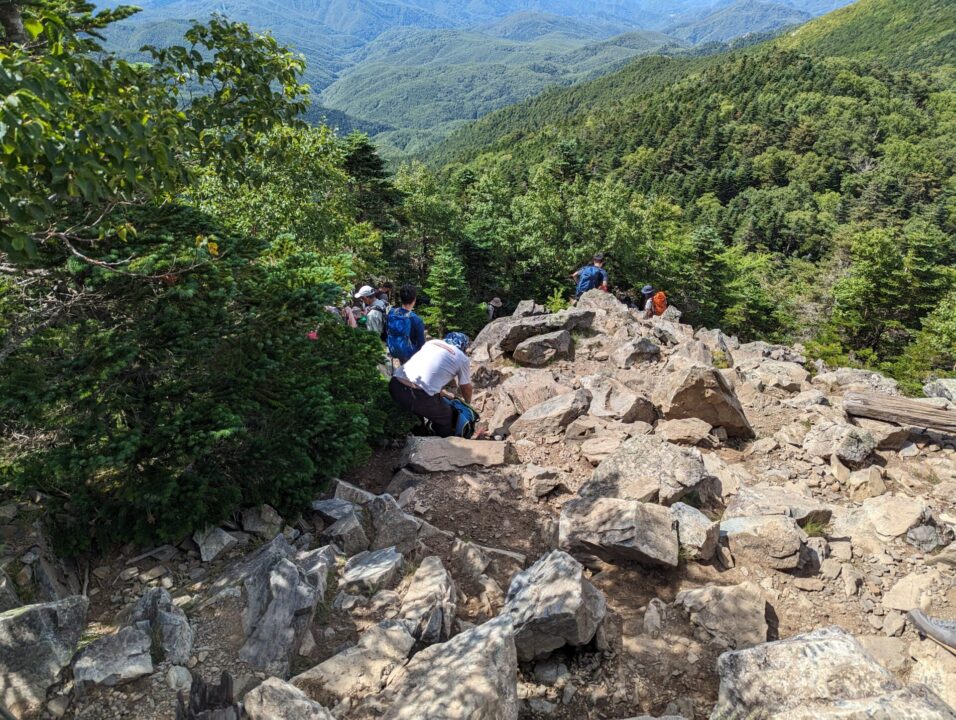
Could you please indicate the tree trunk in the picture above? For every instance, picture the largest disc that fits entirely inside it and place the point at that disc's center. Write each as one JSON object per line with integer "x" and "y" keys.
{"x": 12, "y": 23}
{"x": 901, "y": 411}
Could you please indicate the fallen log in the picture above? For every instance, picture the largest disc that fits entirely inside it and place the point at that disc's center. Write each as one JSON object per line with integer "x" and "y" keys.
{"x": 901, "y": 411}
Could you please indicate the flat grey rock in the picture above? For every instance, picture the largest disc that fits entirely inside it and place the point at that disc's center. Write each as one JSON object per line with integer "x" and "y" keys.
{"x": 114, "y": 659}
{"x": 371, "y": 571}
{"x": 36, "y": 643}
{"x": 619, "y": 530}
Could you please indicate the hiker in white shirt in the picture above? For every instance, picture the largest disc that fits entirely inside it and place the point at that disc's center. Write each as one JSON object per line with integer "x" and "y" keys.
{"x": 417, "y": 386}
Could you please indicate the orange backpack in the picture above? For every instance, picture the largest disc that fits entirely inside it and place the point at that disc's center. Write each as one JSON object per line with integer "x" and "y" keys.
{"x": 660, "y": 302}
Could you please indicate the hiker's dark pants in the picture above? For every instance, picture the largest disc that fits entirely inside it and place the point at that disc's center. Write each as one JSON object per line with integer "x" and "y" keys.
{"x": 418, "y": 402}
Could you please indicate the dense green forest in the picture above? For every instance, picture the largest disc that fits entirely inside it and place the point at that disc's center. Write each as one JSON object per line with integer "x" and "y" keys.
{"x": 162, "y": 270}
{"x": 803, "y": 197}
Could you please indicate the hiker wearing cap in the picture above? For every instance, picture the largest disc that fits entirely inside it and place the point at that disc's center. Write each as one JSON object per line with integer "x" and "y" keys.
{"x": 418, "y": 385}
{"x": 375, "y": 310}
{"x": 655, "y": 301}
{"x": 494, "y": 305}
{"x": 591, "y": 276}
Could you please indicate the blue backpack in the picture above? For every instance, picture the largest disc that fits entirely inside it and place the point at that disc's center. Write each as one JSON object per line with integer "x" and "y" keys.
{"x": 591, "y": 277}
{"x": 466, "y": 417}
{"x": 398, "y": 329}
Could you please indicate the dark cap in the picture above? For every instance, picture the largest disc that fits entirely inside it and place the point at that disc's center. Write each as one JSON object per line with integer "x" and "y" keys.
{"x": 598, "y": 257}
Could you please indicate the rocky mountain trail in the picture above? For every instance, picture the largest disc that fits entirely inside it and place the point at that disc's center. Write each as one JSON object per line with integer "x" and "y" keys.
{"x": 663, "y": 514}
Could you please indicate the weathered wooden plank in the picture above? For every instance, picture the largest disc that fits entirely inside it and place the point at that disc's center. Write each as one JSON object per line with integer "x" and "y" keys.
{"x": 901, "y": 411}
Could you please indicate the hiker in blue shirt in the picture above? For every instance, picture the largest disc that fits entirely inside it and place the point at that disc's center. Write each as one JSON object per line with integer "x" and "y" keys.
{"x": 591, "y": 276}
{"x": 405, "y": 330}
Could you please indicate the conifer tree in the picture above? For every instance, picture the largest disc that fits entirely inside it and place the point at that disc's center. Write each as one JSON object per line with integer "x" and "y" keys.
{"x": 449, "y": 307}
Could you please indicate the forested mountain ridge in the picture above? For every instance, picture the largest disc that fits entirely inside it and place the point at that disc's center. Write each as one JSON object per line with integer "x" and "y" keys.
{"x": 824, "y": 185}
{"x": 365, "y": 59}
{"x": 737, "y": 19}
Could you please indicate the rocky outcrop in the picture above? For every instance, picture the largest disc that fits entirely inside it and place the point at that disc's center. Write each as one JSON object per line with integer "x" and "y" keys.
{"x": 361, "y": 669}
{"x": 369, "y": 572}
{"x": 773, "y": 541}
{"x": 553, "y": 416}
{"x": 825, "y": 675}
{"x": 166, "y": 624}
{"x": 473, "y": 675}
{"x": 619, "y": 530}
{"x": 552, "y": 604}
{"x": 505, "y": 334}
{"x": 114, "y": 659}
{"x": 647, "y": 468}
{"x": 734, "y": 616}
{"x": 538, "y": 351}
{"x": 700, "y": 392}
{"x": 36, "y": 643}
{"x": 697, "y": 534}
{"x": 279, "y": 588}
{"x": 612, "y": 400}
{"x": 853, "y": 446}
{"x": 429, "y": 604}
{"x": 275, "y": 699}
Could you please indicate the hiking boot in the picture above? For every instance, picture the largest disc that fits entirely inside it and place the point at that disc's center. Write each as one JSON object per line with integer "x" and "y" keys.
{"x": 942, "y": 631}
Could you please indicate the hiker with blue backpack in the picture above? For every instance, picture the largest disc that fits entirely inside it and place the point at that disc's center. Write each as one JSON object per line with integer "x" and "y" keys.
{"x": 405, "y": 329}
{"x": 419, "y": 386}
{"x": 591, "y": 277}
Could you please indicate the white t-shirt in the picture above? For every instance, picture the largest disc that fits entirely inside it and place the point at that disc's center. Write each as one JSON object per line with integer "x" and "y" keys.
{"x": 436, "y": 365}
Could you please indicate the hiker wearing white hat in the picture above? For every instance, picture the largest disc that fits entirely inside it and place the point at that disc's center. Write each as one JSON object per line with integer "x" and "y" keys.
{"x": 375, "y": 310}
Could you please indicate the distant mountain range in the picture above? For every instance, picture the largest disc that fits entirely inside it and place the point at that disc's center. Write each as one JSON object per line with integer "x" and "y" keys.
{"x": 410, "y": 71}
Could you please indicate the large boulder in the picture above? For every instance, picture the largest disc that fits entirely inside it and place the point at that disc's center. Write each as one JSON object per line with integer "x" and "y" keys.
{"x": 473, "y": 676}
{"x": 523, "y": 328}
{"x": 392, "y": 526}
{"x": 697, "y": 534}
{"x": 772, "y": 500}
{"x": 844, "y": 380}
{"x": 278, "y": 588}
{"x": 822, "y": 675}
{"x": 943, "y": 388}
{"x": 647, "y": 468}
{"x": 853, "y": 446}
{"x": 212, "y": 542}
{"x": 275, "y": 699}
{"x": 615, "y": 530}
{"x": 429, "y": 605}
{"x": 635, "y": 352}
{"x": 166, "y": 624}
{"x": 699, "y": 392}
{"x": 505, "y": 334}
{"x": 689, "y": 431}
{"x": 552, "y": 604}
{"x": 527, "y": 388}
{"x": 369, "y": 572}
{"x": 612, "y": 400}
{"x": 36, "y": 643}
{"x": 114, "y": 659}
{"x": 786, "y": 376}
{"x": 879, "y": 520}
{"x": 360, "y": 669}
{"x": 552, "y": 416}
{"x": 539, "y": 350}
{"x": 734, "y": 616}
{"x": 600, "y": 300}
{"x": 773, "y": 541}
{"x": 431, "y": 454}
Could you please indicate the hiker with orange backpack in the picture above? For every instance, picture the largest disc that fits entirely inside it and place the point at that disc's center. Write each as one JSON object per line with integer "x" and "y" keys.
{"x": 655, "y": 301}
